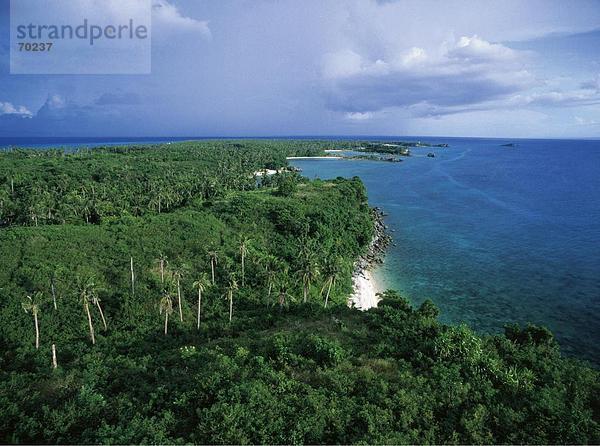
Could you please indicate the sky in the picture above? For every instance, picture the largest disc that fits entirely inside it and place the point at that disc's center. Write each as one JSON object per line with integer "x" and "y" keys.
{"x": 332, "y": 67}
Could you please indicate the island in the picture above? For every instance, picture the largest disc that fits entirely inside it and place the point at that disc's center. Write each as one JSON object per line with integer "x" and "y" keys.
{"x": 171, "y": 294}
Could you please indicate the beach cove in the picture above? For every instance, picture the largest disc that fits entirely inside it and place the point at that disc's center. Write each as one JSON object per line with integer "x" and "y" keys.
{"x": 492, "y": 234}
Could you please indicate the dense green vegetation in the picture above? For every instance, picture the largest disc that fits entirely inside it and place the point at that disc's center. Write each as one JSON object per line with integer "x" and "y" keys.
{"x": 53, "y": 187}
{"x": 192, "y": 301}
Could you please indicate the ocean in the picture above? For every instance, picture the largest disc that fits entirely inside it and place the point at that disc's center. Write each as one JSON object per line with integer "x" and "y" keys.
{"x": 491, "y": 234}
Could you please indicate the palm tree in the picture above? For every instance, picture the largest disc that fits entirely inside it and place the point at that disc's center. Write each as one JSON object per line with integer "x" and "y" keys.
{"x": 162, "y": 261}
{"x": 132, "y": 278}
{"x": 201, "y": 284}
{"x": 331, "y": 272}
{"x": 33, "y": 304}
{"x": 271, "y": 276}
{"x": 96, "y": 301}
{"x": 309, "y": 273}
{"x": 270, "y": 265}
{"x": 243, "y": 253}
{"x": 177, "y": 275}
{"x": 54, "y": 362}
{"x": 52, "y": 288}
{"x": 231, "y": 288}
{"x": 166, "y": 306}
{"x": 283, "y": 285}
{"x": 85, "y": 292}
{"x": 214, "y": 258}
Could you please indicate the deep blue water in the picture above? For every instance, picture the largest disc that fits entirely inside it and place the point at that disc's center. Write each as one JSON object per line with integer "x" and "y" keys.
{"x": 494, "y": 234}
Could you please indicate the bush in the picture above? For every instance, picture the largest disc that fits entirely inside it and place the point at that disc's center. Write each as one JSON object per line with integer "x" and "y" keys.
{"x": 325, "y": 352}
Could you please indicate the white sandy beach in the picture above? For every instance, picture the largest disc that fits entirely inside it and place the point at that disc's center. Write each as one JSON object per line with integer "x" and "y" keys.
{"x": 267, "y": 172}
{"x": 365, "y": 291}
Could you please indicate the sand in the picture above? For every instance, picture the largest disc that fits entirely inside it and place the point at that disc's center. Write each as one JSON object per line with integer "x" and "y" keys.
{"x": 365, "y": 291}
{"x": 260, "y": 173}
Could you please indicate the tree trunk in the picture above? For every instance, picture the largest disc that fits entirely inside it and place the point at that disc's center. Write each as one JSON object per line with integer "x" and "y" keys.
{"x": 162, "y": 271}
{"x": 166, "y": 322}
{"x": 132, "y": 279}
{"x": 101, "y": 315}
{"x": 212, "y": 267}
{"x": 53, "y": 293}
{"x": 230, "y": 306}
{"x": 199, "y": 306}
{"x": 89, "y": 316}
{"x": 328, "y": 290}
{"x": 242, "y": 269}
{"x": 37, "y": 331}
{"x": 305, "y": 292}
{"x": 179, "y": 300}
{"x": 54, "y": 363}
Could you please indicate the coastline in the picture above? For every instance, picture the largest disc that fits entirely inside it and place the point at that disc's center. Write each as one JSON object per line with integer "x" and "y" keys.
{"x": 315, "y": 157}
{"x": 365, "y": 286}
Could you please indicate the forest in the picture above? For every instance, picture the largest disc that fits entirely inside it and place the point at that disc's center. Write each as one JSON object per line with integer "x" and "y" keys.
{"x": 170, "y": 294}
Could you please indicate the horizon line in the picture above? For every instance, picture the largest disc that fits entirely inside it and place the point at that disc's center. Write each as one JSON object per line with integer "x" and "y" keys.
{"x": 292, "y": 136}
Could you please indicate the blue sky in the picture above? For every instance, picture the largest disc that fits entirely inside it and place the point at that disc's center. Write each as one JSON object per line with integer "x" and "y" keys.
{"x": 333, "y": 67}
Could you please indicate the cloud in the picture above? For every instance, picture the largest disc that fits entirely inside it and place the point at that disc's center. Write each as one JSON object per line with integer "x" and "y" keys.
{"x": 342, "y": 64}
{"x": 357, "y": 116}
{"x": 58, "y": 115}
{"x": 560, "y": 98}
{"x": 585, "y": 121}
{"x": 593, "y": 84}
{"x": 6, "y": 108}
{"x": 468, "y": 72}
{"x": 476, "y": 50}
{"x": 167, "y": 16}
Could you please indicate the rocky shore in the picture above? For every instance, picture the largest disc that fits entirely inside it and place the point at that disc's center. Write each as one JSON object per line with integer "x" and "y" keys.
{"x": 381, "y": 240}
{"x": 365, "y": 289}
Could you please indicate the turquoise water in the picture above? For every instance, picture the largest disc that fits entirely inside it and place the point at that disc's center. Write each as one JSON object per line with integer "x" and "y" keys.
{"x": 493, "y": 234}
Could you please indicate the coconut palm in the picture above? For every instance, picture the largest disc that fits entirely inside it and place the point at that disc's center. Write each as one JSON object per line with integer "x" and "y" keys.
{"x": 232, "y": 286}
{"x": 331, "y": 271}
{"x": 132, "y": 277}
{"x": 96, "y": 301}
{"x": 271, "y": 277}
{"x": 85, "y": 289}
{"x": 213, "y": 256}
{"x": 243, "y": 253}
{"x": 162, "y": 262}
{"x": 308, "y": 272}
{"x": 201, "y": 284}
{"x": 166, "y": 306}
{"x": 177, "y": 275}
{"x": 53, "y": 289}
{"x": 33, "y": 304}
{"x": 270, "y": 265}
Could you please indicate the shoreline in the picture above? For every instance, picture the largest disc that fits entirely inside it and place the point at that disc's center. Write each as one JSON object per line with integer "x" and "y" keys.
{"x": 365, "y": 287}
{"x": 314, "y": 158}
